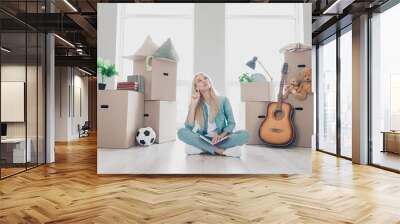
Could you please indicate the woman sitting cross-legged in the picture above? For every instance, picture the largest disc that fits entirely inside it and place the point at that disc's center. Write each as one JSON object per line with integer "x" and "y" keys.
{"x": 211, "y": 116}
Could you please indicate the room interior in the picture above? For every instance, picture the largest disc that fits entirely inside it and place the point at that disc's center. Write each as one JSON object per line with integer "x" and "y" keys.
{"x": 385, "y": 88}
{"x": 354, "y": 156}
{"x": 115, "y": 156}
{"x": 22, "y": 102}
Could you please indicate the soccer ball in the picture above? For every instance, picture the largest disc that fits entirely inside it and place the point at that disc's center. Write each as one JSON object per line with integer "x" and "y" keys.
{"x": 145, "y": 136}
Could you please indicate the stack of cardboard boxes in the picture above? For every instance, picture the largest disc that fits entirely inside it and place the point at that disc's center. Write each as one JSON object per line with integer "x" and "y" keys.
{"x": 299, "y": 60}
{"x": 255, "y": 97}
{"x": 155, "y": 108}
{"x": 159, "y": 69}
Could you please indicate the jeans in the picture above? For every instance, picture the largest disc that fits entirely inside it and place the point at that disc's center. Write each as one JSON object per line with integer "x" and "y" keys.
{"x": 235, "y": 139}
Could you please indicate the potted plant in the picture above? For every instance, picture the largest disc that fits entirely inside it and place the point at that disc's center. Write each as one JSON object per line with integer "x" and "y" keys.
{"x": 244, "y": 78}
{"x": 106, "y": 70}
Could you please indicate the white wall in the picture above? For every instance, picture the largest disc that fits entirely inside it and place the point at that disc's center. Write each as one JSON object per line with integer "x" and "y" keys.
{"x": 107, "y": 37}
{"x": 33, "y": 126}
{"x": 306, "y": 23}
{"x": 61, "y": 104}
{"x": 209, "y": 42}
{"x": 12, "y": 73}
{"x": 80, "y": 83}
{"x": 68, "y": 80}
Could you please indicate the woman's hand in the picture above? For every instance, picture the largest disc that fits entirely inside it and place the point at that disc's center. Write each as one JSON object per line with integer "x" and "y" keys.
{"x": 192, "y": 109}
{"x": 217, "y": 138}
{"x": 195, "y": 99}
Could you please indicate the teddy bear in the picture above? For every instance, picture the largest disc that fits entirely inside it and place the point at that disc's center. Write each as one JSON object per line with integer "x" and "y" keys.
{"x": 291, "y": 88}
{"x": 305, "y": 86}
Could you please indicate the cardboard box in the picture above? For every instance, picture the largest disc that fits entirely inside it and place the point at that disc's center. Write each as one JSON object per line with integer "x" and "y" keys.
{"x": 161, "y": 116}
{"x": 303, "y": 119}
{"x": 119, "y": 116}
{"x": 254, "y": 115}
{"x": 255, "y": 91}
{"x": 392, "y": 141}
{"x": 160, "y": 82}
{"x": 297, "y": 62}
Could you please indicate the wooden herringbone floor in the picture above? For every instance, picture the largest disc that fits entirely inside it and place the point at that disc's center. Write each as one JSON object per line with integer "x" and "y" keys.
{"x": 70, "y": 191}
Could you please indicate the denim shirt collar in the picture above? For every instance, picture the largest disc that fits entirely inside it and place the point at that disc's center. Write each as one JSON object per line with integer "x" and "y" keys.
{"x": 205, "y": 113}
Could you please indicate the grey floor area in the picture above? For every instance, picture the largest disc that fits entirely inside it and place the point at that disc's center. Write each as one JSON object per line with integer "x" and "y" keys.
{"x": 170, "y": 158}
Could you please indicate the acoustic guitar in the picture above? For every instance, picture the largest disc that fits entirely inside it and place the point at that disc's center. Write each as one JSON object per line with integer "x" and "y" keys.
{"x": 278, "y": 129}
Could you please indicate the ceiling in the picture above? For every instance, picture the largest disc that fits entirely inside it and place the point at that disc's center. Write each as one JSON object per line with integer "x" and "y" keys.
{"x": 76, "y": 22}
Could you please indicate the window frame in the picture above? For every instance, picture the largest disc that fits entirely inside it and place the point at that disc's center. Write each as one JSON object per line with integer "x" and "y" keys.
{"x": 334, "y": 37}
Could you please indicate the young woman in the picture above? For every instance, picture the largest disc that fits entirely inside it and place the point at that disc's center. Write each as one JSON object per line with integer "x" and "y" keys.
{"x": 210, "y": 115}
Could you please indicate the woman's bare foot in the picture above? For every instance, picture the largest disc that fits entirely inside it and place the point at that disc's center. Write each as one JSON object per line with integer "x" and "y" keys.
{"x": 219, "y": 151}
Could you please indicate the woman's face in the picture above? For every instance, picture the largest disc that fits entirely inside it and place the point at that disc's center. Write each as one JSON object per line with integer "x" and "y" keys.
{"x": 202, "y": 83}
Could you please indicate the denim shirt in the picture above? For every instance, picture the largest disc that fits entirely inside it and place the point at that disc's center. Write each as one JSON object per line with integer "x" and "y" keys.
{"x": 224, "y": 119}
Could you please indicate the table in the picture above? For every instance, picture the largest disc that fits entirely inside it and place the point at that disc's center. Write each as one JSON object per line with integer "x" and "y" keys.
{"x": 391, "y": 141}
{"x": 16, "y": 148}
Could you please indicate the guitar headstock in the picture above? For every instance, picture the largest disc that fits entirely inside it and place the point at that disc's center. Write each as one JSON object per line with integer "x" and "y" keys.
{"x": 285, "y": 68}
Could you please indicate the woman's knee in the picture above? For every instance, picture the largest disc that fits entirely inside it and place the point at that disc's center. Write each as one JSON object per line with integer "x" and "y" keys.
{"x": 243, "y": 136}
{"x": 184, "y": 134}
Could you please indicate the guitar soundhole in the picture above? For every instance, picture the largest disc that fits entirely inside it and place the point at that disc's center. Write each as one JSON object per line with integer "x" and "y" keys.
{"x": 278, "y": 114}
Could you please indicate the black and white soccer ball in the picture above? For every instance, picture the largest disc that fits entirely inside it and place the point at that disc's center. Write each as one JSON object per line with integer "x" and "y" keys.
{"x": 145, "y": 136}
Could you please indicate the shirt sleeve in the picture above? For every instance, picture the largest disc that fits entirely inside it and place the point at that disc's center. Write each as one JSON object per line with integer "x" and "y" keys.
{"x": 229, "y": 116}
{"x": 187, "y": 125}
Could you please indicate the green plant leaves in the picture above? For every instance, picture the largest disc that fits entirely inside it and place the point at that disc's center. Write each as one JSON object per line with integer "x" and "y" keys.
{"x": 243, "y": 78}
{"x": 106, "y": 68}
{"x": 110, "y": 70}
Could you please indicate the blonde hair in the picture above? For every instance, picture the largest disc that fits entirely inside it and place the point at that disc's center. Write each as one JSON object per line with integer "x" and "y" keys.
{"x": 214, "y": 102}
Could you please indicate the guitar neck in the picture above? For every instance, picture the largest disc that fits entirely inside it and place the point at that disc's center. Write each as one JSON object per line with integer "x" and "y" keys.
{"x": 284, "y": 72}
{"x": 280, "y": 94}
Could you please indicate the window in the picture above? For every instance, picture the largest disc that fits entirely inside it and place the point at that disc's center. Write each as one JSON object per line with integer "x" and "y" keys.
{"x": 346, "y": 94}
{"x": 160, "y": 21}
{"x": 394, "y": 101}
{"x": 22, "y": 77}
{"x": 385, "y": 87}
{"x": 258, "y": 30}
{"x": 327, "y": 96}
